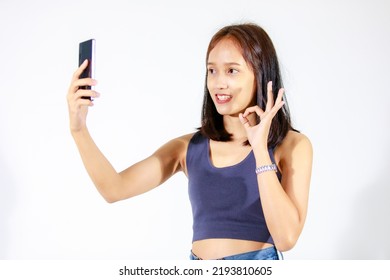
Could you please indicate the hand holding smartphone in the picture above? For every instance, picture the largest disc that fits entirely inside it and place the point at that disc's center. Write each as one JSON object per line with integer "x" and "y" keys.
{"x": 87, "y": 51}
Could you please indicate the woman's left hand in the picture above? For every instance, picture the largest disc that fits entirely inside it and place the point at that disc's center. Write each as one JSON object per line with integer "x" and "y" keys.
{"x": 258, "y": 133}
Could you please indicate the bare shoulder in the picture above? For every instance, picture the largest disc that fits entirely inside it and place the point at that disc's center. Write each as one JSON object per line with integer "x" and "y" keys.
{"x": 185, "y": 138}
{"x": 183, "y": 141}
{"x": 174, "y": 152}
{"x": 295, "y": 146}
{"x": 180, "y": 143}
{"x": 294, "y": 139}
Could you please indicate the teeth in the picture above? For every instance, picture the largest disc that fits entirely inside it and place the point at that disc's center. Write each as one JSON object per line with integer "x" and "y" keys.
{"x": 223, "y": 97}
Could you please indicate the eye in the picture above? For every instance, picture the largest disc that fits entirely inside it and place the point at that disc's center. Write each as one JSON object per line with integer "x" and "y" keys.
{"x": 232, "y": 71}
{"x": 211, "y": 70}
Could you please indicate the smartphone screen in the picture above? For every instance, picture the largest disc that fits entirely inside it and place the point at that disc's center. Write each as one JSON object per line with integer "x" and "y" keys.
{"x": 87, "y": 51}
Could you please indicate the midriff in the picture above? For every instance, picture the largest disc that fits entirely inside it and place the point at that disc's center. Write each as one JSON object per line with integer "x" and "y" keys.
{"x": 220, "y": 247}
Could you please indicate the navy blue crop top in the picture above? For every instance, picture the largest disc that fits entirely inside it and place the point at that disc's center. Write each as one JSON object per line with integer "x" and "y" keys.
{"x": 225, "y": 201}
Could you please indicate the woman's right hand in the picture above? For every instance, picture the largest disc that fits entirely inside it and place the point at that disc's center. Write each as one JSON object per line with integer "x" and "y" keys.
{"x": 78, "y": 106}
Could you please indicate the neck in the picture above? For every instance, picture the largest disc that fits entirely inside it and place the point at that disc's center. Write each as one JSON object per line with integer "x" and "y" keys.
{"x": 234, "y": 126}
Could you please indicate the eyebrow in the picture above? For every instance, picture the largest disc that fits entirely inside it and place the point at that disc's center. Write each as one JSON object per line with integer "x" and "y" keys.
{"x": 227, "y": 63}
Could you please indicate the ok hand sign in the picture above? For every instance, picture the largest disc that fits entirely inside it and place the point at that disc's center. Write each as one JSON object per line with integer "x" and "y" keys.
{"x": 258, "y": 133}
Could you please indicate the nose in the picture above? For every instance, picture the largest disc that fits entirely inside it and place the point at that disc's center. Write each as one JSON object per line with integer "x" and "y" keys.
{"x": 220, "y": 82}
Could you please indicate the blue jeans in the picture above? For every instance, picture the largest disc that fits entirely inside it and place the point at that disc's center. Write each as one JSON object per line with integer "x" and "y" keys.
{"x": 265, "y": 254}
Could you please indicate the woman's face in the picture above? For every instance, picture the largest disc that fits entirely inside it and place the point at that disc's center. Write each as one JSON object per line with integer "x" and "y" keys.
{"x": 230, "y": 80}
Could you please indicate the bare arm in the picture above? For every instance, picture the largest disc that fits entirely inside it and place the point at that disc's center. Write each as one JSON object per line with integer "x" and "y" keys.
{"x": 138, "y": 178}
{"x": 284, "y": 203}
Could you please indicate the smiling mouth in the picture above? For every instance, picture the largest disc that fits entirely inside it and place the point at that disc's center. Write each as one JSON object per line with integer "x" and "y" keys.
{"x": 223, "y": 98}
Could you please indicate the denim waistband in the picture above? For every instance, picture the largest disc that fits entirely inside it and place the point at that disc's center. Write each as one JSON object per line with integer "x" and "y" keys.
{"x": 269, "y": 253}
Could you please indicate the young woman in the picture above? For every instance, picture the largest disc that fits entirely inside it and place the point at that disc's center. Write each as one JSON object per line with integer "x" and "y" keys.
{"x": 248, "y": 169}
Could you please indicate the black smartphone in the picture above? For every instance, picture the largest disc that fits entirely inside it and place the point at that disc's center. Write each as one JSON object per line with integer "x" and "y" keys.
{"x": 87, "y": 51}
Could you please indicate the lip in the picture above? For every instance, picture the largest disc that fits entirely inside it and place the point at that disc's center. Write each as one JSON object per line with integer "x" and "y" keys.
{"x": 222, "y": 98}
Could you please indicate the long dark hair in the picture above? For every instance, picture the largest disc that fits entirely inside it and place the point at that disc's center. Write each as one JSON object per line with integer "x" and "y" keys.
{"x": 259, "y": 53}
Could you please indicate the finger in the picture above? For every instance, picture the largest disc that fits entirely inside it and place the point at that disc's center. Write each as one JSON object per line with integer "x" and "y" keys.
{"x": 86, "y": 93}
{"x": 85, "y": 82}
{"x": 84, "y": 103}
{"x": 280, "y": 95}
{"x": 244, "y": 121}
{"x": 73, "y": 98}
{"x": 279, "y": 102}
{"x": 75, "y": 105}
{"x": 81, "y": 83}
{"x": 276, "y": 108}
{"x": 80, "y": 70}
{"x": 270, "y": 97}
{"x": 254, "y": 109}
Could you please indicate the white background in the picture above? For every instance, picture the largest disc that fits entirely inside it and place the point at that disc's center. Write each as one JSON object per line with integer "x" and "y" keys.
{"x": 151, "y": 67}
